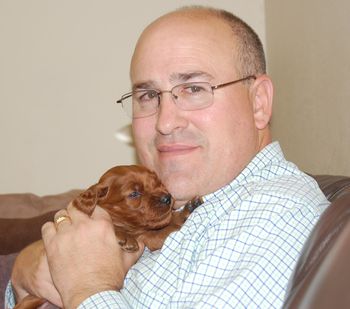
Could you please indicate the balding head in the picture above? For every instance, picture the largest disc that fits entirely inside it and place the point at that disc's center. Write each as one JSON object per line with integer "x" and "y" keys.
{"x": 248, "y": 49}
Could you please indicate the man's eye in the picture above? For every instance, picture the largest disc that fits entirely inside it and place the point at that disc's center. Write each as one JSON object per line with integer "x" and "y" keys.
{"x": 146, "y": 96}
{"x": 134, "y": 195}
{"x": 193, "y": 89}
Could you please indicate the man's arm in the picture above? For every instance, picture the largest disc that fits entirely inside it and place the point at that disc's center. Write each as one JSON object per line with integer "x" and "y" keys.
{"x": 30, "y": 275}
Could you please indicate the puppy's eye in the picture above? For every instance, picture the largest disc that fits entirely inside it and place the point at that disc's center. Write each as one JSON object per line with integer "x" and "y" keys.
{"x": 134, "y": 195}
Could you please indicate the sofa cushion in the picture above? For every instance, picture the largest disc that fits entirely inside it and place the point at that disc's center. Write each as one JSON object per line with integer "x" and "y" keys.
{"x": 25, "y": 205}
{"x": 15, "y": 234}
{"x": 21, "y": 218}
{"x": 22, "y": 215}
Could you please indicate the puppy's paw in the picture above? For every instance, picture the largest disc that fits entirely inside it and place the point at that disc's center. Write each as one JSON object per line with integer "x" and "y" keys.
{"x": 30, "y": 302}
{"x": 128, "y": 244}
{"x": 194, "y": 203}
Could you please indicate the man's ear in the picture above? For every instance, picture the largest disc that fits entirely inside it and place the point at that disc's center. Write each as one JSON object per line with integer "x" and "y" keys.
{"x": 262, "y": 96}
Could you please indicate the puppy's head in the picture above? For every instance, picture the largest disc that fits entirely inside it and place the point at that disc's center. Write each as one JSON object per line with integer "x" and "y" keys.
{"x": 133, "y": 196}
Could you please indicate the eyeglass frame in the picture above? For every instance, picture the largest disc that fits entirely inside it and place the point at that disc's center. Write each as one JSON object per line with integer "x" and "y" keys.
{"x": 159, "y": 92}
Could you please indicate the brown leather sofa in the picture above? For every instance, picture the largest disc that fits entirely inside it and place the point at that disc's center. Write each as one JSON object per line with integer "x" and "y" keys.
{"x": 320, "y": 280}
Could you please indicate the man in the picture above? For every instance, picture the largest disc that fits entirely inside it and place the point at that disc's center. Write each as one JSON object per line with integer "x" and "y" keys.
{"x": 201, "y": 104}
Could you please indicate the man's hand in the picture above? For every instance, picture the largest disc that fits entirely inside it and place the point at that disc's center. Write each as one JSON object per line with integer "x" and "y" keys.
{"x": 84, "y": 256}
{"x": 31, "y": 275}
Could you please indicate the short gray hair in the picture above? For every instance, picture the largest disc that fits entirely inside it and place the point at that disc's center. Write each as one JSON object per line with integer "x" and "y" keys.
{"x": 250, "y": 51}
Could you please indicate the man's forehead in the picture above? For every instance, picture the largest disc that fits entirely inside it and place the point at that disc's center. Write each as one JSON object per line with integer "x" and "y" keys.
{"x": 180, "y": 26}
{"x": 164, "y": 58}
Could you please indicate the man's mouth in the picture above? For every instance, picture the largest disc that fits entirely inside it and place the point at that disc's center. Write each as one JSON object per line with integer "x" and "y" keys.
{"x": 175, "y": 149}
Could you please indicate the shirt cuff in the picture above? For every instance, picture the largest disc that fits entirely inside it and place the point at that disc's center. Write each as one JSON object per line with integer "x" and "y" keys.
{"x": 105, "y": 300}
{"x": 10, "y": 301}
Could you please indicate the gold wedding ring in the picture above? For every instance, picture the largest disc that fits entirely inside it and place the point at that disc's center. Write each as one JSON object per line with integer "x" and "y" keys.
{"x": 60, "y": 219}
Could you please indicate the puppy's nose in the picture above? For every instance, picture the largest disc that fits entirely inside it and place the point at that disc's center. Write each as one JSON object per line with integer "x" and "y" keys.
{"x": 166, "y": 199}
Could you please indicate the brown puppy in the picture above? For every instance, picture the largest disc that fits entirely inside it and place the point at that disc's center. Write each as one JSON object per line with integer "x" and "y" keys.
{"x": 140, "y": 208}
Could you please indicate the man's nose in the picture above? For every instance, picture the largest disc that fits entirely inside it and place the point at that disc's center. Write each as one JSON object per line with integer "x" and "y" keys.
{"x": 170, "y": 116}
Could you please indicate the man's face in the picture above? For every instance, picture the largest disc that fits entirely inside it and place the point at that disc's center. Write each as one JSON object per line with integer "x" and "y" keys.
{"x": 193, "y": 152}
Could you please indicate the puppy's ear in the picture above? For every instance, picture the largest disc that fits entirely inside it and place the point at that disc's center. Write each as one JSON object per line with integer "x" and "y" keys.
{"x": 101, "y": 192}
{"x": 87, "y": 201}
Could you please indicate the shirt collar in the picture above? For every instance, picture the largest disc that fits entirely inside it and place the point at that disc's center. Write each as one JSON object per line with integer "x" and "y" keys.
{"x": 270, "y": 154}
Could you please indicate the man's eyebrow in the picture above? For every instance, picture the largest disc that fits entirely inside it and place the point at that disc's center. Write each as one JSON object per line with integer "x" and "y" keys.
{"x": 144, "y": 85}
{"x": 174, "y": 78}
{"x": 184, "y": 77}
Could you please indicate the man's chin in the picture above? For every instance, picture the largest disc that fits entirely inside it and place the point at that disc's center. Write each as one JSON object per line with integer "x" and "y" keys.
{"x": 180, "y": 187}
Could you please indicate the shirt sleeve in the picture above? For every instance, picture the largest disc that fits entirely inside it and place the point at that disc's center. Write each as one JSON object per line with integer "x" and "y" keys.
{"x": 9, "y": 297}
{"x": 105, "y": 300}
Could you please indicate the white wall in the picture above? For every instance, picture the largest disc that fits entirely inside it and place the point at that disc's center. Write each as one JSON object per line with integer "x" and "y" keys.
{"x": 62, "y": 65}
{"x": 309, "y": 60}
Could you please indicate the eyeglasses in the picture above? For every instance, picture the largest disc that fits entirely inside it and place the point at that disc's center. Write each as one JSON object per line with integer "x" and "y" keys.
{"x": 188, "y": 96}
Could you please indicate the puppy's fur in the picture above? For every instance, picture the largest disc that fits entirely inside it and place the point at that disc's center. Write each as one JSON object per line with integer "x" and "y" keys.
{"x": 140, "y": 208}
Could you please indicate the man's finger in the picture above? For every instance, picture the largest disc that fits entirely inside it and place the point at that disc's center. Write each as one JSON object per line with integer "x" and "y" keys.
{"x": 61, "y": 219}
{"x": 100, "y": 213}
{"x": 75, "y": 213}
{"x": 48, "y": 231}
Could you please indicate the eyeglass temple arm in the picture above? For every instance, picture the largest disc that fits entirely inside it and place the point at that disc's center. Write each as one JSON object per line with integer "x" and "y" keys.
{"x": 234, "y": 82}
{"x": 128, "y": 95}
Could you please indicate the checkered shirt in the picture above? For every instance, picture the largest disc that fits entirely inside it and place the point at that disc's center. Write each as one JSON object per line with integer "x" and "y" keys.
{"x": 237, "y": 250}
